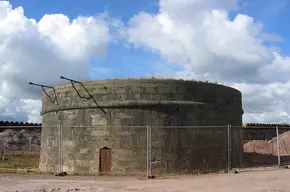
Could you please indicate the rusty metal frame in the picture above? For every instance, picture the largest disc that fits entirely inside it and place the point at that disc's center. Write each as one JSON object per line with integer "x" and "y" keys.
{"x": 50, "y": 87}
{"x": 83, "y": 97}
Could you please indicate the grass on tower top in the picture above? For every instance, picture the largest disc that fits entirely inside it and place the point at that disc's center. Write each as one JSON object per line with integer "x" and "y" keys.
{"x": 167, "y": 78}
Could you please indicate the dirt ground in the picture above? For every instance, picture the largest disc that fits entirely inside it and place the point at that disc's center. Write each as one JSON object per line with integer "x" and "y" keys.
{"x": 251, "y": 181}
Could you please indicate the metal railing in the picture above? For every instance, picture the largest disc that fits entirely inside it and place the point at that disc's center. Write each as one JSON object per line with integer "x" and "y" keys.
{"x": 145, "y": 150}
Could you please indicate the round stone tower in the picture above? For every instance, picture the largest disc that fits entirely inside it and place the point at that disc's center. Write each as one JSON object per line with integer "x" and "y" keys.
{"x": 187, "y": 122}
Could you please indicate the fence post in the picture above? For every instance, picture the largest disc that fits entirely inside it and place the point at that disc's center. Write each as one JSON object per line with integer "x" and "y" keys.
{"x": 4, "y": 150}
{"x": 229, "y": 148}
{"x": 60, "y": 148}
{"x": 278, "y": 146}
{"x": 148, "y": 174}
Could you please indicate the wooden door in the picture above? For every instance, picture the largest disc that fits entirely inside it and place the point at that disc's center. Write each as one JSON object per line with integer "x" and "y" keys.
{"x": 105, "y": 160}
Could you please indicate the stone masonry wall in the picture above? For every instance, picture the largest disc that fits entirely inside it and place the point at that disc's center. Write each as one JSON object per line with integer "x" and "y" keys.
{"x": 130, "y": 105}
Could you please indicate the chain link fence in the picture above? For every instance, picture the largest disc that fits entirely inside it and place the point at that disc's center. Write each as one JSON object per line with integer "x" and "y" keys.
{"x": 266, "y": 146}
{"x": 116, "y": 150}
{"x": 142, "y": 150}
{"x": 51, "y": 149}
{"x": 259, "y": 148}
{"x": 188, "y": 149}
{"x": 283, "y": 145}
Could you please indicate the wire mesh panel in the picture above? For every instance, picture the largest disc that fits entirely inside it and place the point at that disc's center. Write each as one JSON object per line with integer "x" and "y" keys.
{"x": 260, "y": 146}
{"x": 50, "y": 155}
{"x": 104, "y": 150}
{"x": 284, "y": 145}
{"x": 189, "y": 150}
{"x": 19, "y": 147}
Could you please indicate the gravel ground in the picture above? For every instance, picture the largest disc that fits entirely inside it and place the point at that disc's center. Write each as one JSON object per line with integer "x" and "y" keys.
{"x": 250, "y": 181}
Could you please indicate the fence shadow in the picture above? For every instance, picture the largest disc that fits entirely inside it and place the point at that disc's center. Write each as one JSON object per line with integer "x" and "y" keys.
{"x": 259, "y": 160}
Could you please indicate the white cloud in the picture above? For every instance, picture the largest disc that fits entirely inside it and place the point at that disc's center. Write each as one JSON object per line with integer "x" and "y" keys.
{"x": 197, "y": 35}
{"x": 43, "y": 51}
{"x": 200, "y": 37}
{"x": 266, "y": 103}
{"x": 31, "y": 108}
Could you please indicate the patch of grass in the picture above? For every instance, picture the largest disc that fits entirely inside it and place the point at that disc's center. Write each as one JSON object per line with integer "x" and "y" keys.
{"x": 24, "y": 172}
{"x": 20, "y": 160}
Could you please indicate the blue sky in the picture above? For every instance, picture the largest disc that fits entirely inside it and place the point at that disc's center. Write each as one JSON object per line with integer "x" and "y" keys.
{"x": 176, "y": 41}
{"x": 124, "y": 9}
{"x": 272, "y": 13}
{"x": 119, "y": 57}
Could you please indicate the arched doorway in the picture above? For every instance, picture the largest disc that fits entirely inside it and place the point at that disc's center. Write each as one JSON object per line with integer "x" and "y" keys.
{"x": 105, "y": 163}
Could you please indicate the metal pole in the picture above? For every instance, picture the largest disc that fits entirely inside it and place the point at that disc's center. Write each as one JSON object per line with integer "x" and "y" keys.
{"x": 61, "y": 152}
{"x": 4, "y": 151}
{"x": 50, "y": 87}
{"x": 229, "y": 148}
{"x": 148, "y": 151}
{"x": 59, "y": 148}
{"x": 278, "y": 146}
{"x": 30, "y": 144}
{"x": 90, "y": 95}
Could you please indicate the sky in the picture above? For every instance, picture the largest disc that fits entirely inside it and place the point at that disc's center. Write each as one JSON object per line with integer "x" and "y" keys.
{"x": 239, "y": 43}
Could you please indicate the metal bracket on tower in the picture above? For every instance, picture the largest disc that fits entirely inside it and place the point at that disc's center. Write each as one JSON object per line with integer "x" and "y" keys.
{"x": 83, "y": 97}
{"x": 45, "y": 86}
